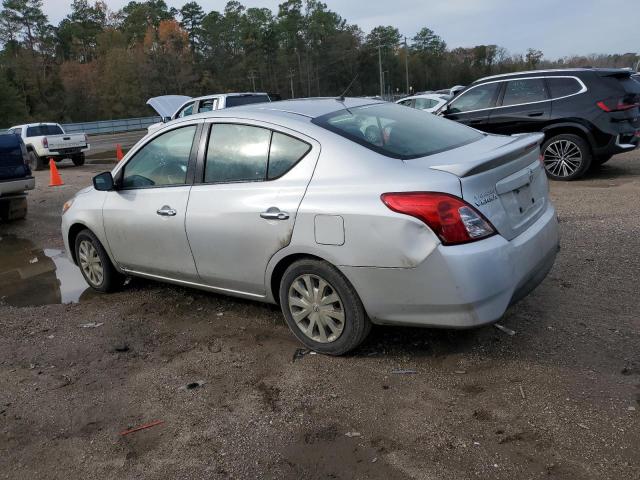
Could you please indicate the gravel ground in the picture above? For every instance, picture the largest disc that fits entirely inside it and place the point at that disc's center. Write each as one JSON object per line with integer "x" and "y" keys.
{"x": 559, "y": 399}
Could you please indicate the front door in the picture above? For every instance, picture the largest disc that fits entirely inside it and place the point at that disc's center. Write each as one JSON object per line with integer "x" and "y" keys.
{"x": 243, "y": 210}
{"x": 144, "y": 218}
{"x": 472, "y": 106}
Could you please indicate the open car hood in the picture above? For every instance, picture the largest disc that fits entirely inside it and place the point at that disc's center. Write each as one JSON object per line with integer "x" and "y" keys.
{"x": 166, "y": 105}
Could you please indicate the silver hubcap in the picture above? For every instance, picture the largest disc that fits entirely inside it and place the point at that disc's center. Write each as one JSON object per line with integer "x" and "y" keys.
{"x": 90, "y": 263}
{"x": 316, "y": 308}
{"x": 562, "y": 158}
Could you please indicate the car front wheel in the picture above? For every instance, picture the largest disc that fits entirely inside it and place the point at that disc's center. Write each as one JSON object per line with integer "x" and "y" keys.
{"x": 566, "y": 157}
{"x": 322, "y": 308}
{"x": 95, "y": 265}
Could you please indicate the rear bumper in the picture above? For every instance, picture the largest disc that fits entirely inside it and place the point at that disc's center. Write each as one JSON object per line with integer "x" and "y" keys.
{"x": 624, "y": 142}
{"x": 460, "y": 286}
{"x": 16, "y": 186}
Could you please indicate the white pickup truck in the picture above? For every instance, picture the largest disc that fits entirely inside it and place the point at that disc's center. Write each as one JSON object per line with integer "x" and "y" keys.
{"x": 48, "y": 140}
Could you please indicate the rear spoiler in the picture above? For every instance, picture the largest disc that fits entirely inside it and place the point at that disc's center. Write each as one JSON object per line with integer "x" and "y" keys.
{"x": 518, "y": 147}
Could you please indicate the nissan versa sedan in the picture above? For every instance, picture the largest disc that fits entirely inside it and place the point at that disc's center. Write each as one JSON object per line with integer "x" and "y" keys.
{"x": 345, "y": 212}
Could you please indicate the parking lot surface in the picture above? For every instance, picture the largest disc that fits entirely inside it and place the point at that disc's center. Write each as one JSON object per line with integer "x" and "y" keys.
{"x": 558, "y": 399}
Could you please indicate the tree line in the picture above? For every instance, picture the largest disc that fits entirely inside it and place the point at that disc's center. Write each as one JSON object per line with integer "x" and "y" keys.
{"x": 103, "y": 64}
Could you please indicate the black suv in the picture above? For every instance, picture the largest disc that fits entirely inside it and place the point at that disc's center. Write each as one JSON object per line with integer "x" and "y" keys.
{"x": 15, "y": 177}
{"x": 586, "y": 114}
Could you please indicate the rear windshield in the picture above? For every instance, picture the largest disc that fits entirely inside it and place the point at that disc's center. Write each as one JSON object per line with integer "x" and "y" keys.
{"x": 40, "y": 130}
{"x": 246, "y": 100}
{"x": 396, "y": 131}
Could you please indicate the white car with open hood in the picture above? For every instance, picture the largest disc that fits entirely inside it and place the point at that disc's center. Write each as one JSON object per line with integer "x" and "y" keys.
{"x": 170, "y": 107}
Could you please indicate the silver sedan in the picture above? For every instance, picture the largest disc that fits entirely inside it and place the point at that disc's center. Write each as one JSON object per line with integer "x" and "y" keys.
{"x": 345, "y": 212}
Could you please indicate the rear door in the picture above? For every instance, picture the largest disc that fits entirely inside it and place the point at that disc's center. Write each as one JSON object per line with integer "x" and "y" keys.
{"x": 242, "y": 209}
{"x": 473, "y": 106}
{"x": 523, "y": 106}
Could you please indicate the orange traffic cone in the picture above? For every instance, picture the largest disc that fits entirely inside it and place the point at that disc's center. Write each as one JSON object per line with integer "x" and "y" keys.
{"x": 119, "y": 153}
{"x": 54, "y": 176}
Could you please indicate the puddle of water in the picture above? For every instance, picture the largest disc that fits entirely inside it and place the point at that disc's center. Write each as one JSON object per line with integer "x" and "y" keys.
{"x": 33, "y": 276}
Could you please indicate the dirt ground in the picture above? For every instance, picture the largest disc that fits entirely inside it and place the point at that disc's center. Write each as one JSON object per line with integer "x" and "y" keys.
{"x": 560, "y": 399}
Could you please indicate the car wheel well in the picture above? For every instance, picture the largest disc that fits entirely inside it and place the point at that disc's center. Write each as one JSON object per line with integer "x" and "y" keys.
{"x": 567, "y": 129}
{"x": 75, "y": 229}
{"x": 281, "y": 267}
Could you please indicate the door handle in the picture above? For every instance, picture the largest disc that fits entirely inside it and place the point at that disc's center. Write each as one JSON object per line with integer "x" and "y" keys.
{"x": 274, "y": 213}
{"x": 475, "y": 122}
{"x": 166, "y": 211}
{"x": 535, "y": 114}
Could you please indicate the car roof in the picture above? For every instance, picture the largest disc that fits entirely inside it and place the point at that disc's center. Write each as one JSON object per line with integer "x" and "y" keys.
{"x": 306, "y": 107}
{"x": 434, "y": 96}
{"x": 33, "y": 125}
{"x": 235, "y": 94}
{"x": 551, "y": 71}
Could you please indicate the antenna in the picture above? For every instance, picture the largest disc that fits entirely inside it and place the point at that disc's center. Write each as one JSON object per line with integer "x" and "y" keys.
{"x": 341, "y": 97}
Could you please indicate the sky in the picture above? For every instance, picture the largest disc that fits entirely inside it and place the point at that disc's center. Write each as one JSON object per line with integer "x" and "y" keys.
{"x": 557, "y": 27}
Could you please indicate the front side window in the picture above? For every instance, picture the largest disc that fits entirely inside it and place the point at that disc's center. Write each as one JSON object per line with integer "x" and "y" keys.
{"x": 406, "y": 103}
{"x": 562, "y": 86}
{"x": 397, "y": 132}
{"x": 161, "y": 162}
{"x": 478, "y": 98}
{"x": 186, "y": 111}
{"x": 524, "y": 91}
{"x": 237, "y": 153}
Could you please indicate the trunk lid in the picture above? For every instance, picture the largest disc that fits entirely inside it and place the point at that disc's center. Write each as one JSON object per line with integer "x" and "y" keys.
{"x": 500, "y": 176}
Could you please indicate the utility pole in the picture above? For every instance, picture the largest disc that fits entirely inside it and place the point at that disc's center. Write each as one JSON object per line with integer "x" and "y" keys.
{"x": 252, "y": 77}
{"x": 380, "y": 68}
{"x": 292, "y": 72}
{"x": 406, "y": 62}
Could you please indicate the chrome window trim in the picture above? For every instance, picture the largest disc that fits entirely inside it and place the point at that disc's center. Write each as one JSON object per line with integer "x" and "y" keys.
{"x": 583, "y": 89}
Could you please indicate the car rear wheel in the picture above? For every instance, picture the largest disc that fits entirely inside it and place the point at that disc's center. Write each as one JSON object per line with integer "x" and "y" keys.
{"x": 35, "y": 162}
{"x": 78, "y": 160}
{"x": 566, "y": 157}
{"x": 95, "y": 265}
{"x": 322, "y": 308}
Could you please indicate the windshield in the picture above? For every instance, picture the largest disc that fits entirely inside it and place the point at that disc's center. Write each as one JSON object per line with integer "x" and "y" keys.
{"x": 397, "y": 131}
{"x": 246, "y": 100}
{"x": 41, "y": 130}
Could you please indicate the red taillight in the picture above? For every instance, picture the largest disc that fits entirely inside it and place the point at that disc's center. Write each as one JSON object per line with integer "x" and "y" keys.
{"x": 45, "y": 142}
{"x": 616, "y": 105}
{"x": 452, "y": 219}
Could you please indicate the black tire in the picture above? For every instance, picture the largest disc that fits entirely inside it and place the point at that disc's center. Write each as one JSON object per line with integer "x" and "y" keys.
{"x": 111, "y": 280}
{"x": 78, "y": 160}
{"x": 600, "y": 160}
{"x": 355, "y": 326}
{"x": 35, "y": 162}
{"x": 576, "y": 164}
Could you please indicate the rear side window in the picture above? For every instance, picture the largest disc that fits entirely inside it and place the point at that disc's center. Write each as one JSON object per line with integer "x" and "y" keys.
{"x": 478, "y": 98}
{"x": 237, "y": 153}
{"x": 562, "y": 87}
{"x": 284, "y": 153}
{"x": 207, "y": 105}
{"x": 524, "y": 91}
{"x": 422, "y": 103}
{"x": 245, "y": 100}
{"x": 40, "y": 130}
{"x": 244, "y": 153}
{"x": 398, "y": 132}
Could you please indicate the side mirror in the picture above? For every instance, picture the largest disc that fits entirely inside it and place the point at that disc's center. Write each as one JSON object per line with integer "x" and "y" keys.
{"x": 103, "y": 182}
{"x": 166, "y": 119}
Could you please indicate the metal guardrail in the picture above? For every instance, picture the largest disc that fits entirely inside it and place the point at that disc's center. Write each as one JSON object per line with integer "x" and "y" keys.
{"x": 111, "y": 126}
